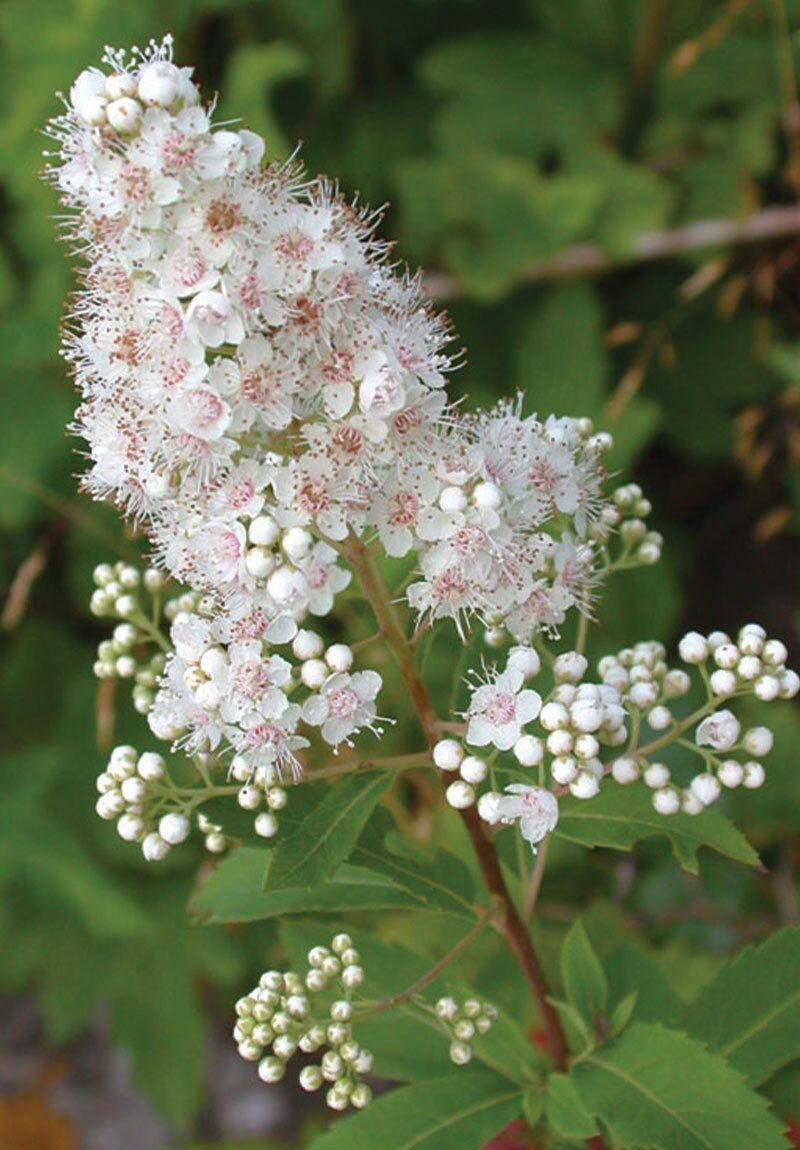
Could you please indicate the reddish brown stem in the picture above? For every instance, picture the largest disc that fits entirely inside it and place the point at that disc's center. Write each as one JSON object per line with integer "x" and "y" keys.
{"x": 512, "y": 925}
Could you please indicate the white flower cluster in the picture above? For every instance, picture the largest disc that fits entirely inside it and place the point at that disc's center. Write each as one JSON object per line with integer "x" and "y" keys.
{"x": 259, "y": 386}
{"x": 224, "y": 688}
{"x": 463, "y": 1022}
{"x": 581, "y": 722}
{"x": 255, "y": 376}
{"x": 279, "y": 1016}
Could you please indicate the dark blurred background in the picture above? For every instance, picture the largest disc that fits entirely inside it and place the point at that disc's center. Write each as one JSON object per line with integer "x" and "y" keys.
{"x": 606, "y": 195}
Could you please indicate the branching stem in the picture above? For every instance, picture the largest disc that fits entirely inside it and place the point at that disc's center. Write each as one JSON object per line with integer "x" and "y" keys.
{"x": 373, "y": 1008}
{"x": 512, "y": 926}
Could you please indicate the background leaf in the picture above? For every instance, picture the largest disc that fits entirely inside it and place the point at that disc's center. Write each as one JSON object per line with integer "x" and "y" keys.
{"x": 460, "y": 1112}
{"x": 658, "y": 1087}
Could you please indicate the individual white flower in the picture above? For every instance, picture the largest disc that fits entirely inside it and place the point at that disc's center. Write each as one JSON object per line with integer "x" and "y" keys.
{"x": 344, "y": 705}
{"x": 499, "y": 709}
{"x": 212, "y": 319}
{"x": 534, "y": 808}
{"x": 719, "y": 731}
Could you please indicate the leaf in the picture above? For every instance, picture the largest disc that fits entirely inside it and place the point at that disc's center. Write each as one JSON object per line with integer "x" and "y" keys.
{"x": 253, "y": 72}
{"x": 620, "y": 817}
{"x": 750, "y": 1013}
{"x": 564, "y": 1109}
{"x": 508, "y": 92}
{"x": 233, "y": 892}
{"x": 315, "y": 849}
{"x": 487, "y": 216}
{"x": 560, "y": 360}
{"x": 657, "y": 1088}
{"x": 584, "y": 980}
{"x": 444, "y": 884}
{"x": 533, "y": 1105}
{"x": 460, "y": 1112}
{"x": 622, "y": 1013}
{"x": 632, "y": 970}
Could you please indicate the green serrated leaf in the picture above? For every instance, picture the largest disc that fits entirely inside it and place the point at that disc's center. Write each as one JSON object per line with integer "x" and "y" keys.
{"x": 632, "y": 970}
{"x": 460, "y": 1112}
{"x": 584, "y": 980}
{"x": 658, "y": 1088}
{"x": 750, "y": 1013}
{"x": 444, "y": 885}
{"x": 621, "y": 817}
{"x": 564, "y": 1109}
{"x": 233, "y": 892}
{"x": 315, "y": 849}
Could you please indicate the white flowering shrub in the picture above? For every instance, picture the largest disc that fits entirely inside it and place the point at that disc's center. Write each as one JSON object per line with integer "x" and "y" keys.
{"x": 263, "y": 396}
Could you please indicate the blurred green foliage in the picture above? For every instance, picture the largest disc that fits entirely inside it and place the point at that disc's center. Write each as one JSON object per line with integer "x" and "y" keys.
{"x": 503, "y": 135}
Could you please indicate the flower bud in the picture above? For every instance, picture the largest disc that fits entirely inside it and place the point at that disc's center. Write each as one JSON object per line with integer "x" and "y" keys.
{"x": 270, "y": 1069}
{"x": 460, "y": 795}
{"x": 473, "y": 770}
{"x": 174, "y": 828}
{"x": 528, "y": 751}
{"x": 693, "y": 648}
{"x": 666, "y": 801}
{"x": 310, "y": 1078}
{"x": 159, "y": 84}
{"x": 339, "y": 657}
{"x": 460, "y": 1053}
{"x": 154, "y": 848}
{"x": 625, "y": 771}
{"x": 754, "y": 776}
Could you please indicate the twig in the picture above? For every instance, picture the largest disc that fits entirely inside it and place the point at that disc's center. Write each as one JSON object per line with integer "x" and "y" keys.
{"x": 431, "y": 975}
{"x": 390, "y": 762}
{"x": 535, "y": 884}
{"x": 28, "y": 572}
{"x": 788, "y": 85}
{"x": 512, "y": 926}
{"x": 593, "y": 260}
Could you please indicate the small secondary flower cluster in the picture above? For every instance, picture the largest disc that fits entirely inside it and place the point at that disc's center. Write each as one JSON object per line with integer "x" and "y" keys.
{"x": 581, "y": 722}
{"x": 626, "y": 514}
{"x": 128, "y": 653}
{"x": 136, "y": 791}
{"x": 463, "y": 1022}
{"x": 279, "y": 1015}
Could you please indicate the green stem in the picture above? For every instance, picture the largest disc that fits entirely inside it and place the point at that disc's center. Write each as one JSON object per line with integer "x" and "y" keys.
{"x": 371, "y": 1009}
{"x": 150, "y": 629}
{"x": 679, "y": 728}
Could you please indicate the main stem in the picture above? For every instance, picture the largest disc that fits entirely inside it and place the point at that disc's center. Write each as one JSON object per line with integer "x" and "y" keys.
{"x": 510, "y": 922}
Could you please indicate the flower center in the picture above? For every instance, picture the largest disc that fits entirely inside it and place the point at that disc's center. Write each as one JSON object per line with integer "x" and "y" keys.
{"x": 501, "y": 709}
{"x": 342, "y": 703}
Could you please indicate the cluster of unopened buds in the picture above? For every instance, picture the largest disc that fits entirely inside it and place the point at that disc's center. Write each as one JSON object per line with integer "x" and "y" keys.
{"x": 280, "y": 1018}
{"x": 625, "y": 515}
{"x": 124, "y": 592}
{"x": 463, "y": 1023}
{"x": 134, "y": 790}
{"x": 751, "y": 662}
{"x": 260, "y": 788}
